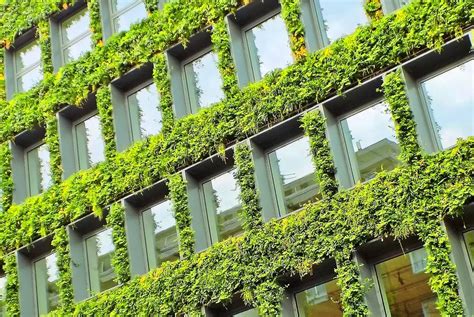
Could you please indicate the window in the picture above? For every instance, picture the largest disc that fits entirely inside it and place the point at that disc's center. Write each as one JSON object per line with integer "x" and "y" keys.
{"x": 75, "y": 36}
{"x": 268, "y": 46}
{"x": 469, "y": 242}
{"x": 248, "y": 313}
{"x": 3, "y": 296}
{"x": 404, "y": 285}
{"x": 99, "y": 250}
{"x": 370, "y": 141}
{"x": 320, "y": 300}
{"x": 203, "y": 81}
{"x": 38, "y": 169}
{"x": 46, "y": 277}
{"x": 294, "y": 184}
{"x": 161, "y": 236}
{"x": 449, "y": 100}
{"x": 89, "y": 142}
{"x": 124, "y": 13}
{"x": 221, "y": 196}
{"x": 27, "y": 66}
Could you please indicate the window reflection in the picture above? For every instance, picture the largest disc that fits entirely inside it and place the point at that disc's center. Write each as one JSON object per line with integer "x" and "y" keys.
{"x": 28, "y": 66}
{"x": 143, "y": 109}
{"x": 248, "y": 313}
{"x": 341, "y": 17}
{"x": 90, "y": 143}
{"x": 75, "y": 26}
{"x": 223, "y": 204}
{"x": 161, "y": 237}
{"x": 370, "y": 141}
{"x": 3, "y": 296}
{"x": 46, "y": 278}
{"x": 269, "y": 46}
{"x": 293, "y": 175}
{"x": 100, "y": 248}
{"x": 127, "y": 13}
{"x": 450, "y": 100}
{"x": 404, "y": 285}
{"x": 204, "y": 81}
{"x": 79, "y": 48}
{"x": 469, "y": 241}
{"x": 39, "y": 171}
{"x": 321, "y": 300}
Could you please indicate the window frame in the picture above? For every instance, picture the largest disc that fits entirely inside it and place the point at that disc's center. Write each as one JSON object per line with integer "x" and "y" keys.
{"x": 77, "y": 151}
{"x": 250, "y": 49}
{"x": 64, "y": 46}
{"x": 465, "y": 248}
{"x": 19, "y": 74}
{"x": 425, "y": 109}
{"x": 116, "y": 14}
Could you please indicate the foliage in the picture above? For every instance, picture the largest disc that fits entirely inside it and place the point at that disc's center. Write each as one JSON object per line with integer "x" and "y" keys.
{"x": 60, "y": 244}
{"x": 12, "y": 299}
{"x": 116, "y": 221}
{"x": 394, "y": 203}
{"x": 373, "y": 9}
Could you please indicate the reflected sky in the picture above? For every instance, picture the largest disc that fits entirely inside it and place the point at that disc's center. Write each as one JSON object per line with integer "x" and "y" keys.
{"x": 3, "y": 286}
{"x": 123, "y": 21}
{"x": 118, "y": 5}
{"x": 52, "y": 267}
{"x": 45, "y": 169}
{"x": 341, "y": 17}
{"x": 163, "y": 216}
{"x": 370, "y": 126}
{"x": 226, "y": 191}
{"x": 31, "y": 78}
{"x": 78, "y": 49}
{"x": 207, "y": 80}
{"x": 297, "y": 151}
{"x": 75, "y": 26}
{"x": 450, "y": 96}
{"x": 147, "y": 101}
{"x": 104, "y": 242}
{"x": 272, "y": 44}
{"x": 95, "y": 143}
{"x": 28, "y": 56}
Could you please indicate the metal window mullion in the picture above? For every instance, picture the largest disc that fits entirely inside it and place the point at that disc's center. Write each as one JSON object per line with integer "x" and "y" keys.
{"x": 276, "y": 182}
{"x": 210, "y": 209}
{"x": 149, "y": 238}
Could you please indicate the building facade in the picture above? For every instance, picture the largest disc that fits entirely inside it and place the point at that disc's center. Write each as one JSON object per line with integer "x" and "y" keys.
{"x": 237, "y": 158}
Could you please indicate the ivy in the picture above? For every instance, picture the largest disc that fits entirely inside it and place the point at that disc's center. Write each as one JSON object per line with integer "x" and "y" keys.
{"x": 95, "y": 21}
{"x": 60, "y": 244}
{"x": 104, "y": 105}
{"x": 116, "y": 221}
{"x": 291, "y": 14}
{"x": 163, "y": 86}
{"x": 12, "y": 295}
{"x": 373, "y": 9}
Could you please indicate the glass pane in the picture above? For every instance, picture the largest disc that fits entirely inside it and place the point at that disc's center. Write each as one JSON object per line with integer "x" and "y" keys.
{"x": 405, "y": 285}
{"x": 295, "y": 184}
{"x": 100, "y": 249}
{"x": 321, "y": 300}
{"x": 341, "y": 17}
{"x": 118, "y": 5}
{"x": 450, "y": 99}
{"x": 78, "y": 49}
{"x": 39, "y": 170}
{"x": 206, "y": 83}
{"x": 46, "y": 277}
{"x": 28, "y": 80}
{"x": 223, "y": 202}
{"x": 469, "y": 240}
{"x": 123, "y": 21}
{"x": 248, "y": 313}
{"x": 27, "y": 56}
{"x": 95, "y": 143}
{"x": 370, "y": 141}
{"x": 75, "y": 26}
{"x": 272, "y": 46}
{"x": 147, "y": 102}
{"x": 165, "y": 236}
{"x": 3, "y": 295}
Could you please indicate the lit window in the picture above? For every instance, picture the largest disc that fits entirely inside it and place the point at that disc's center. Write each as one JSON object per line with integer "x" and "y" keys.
{"x": 143, "y": 108}
{"x": 294, "y": 184}
{"x": 38, "y": 169}
{"x": 469, "y": 241}
{"x": 450, "y": 98}
{"x": 75, "y": 36}
{"x": 248, "y": 313}
{"x": 100, "y": 248}
{"x": 203, "y": 81}
{"x": 341, "y": 17}
{"x": 404, "y": 285}
{"x": 321, "y": 300}
{"x": 28, "y": 70}
{"x": 269, "y": 46}
{"x": 46, "y": 278}
{"x": 222, "y": 202}
{"x": 3, "y": 296}
{"x": 161, "y": 237}
{"x": 126, "y": 12}
{"x": 90, "y": 144}
{"x": 370, "y": 142}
